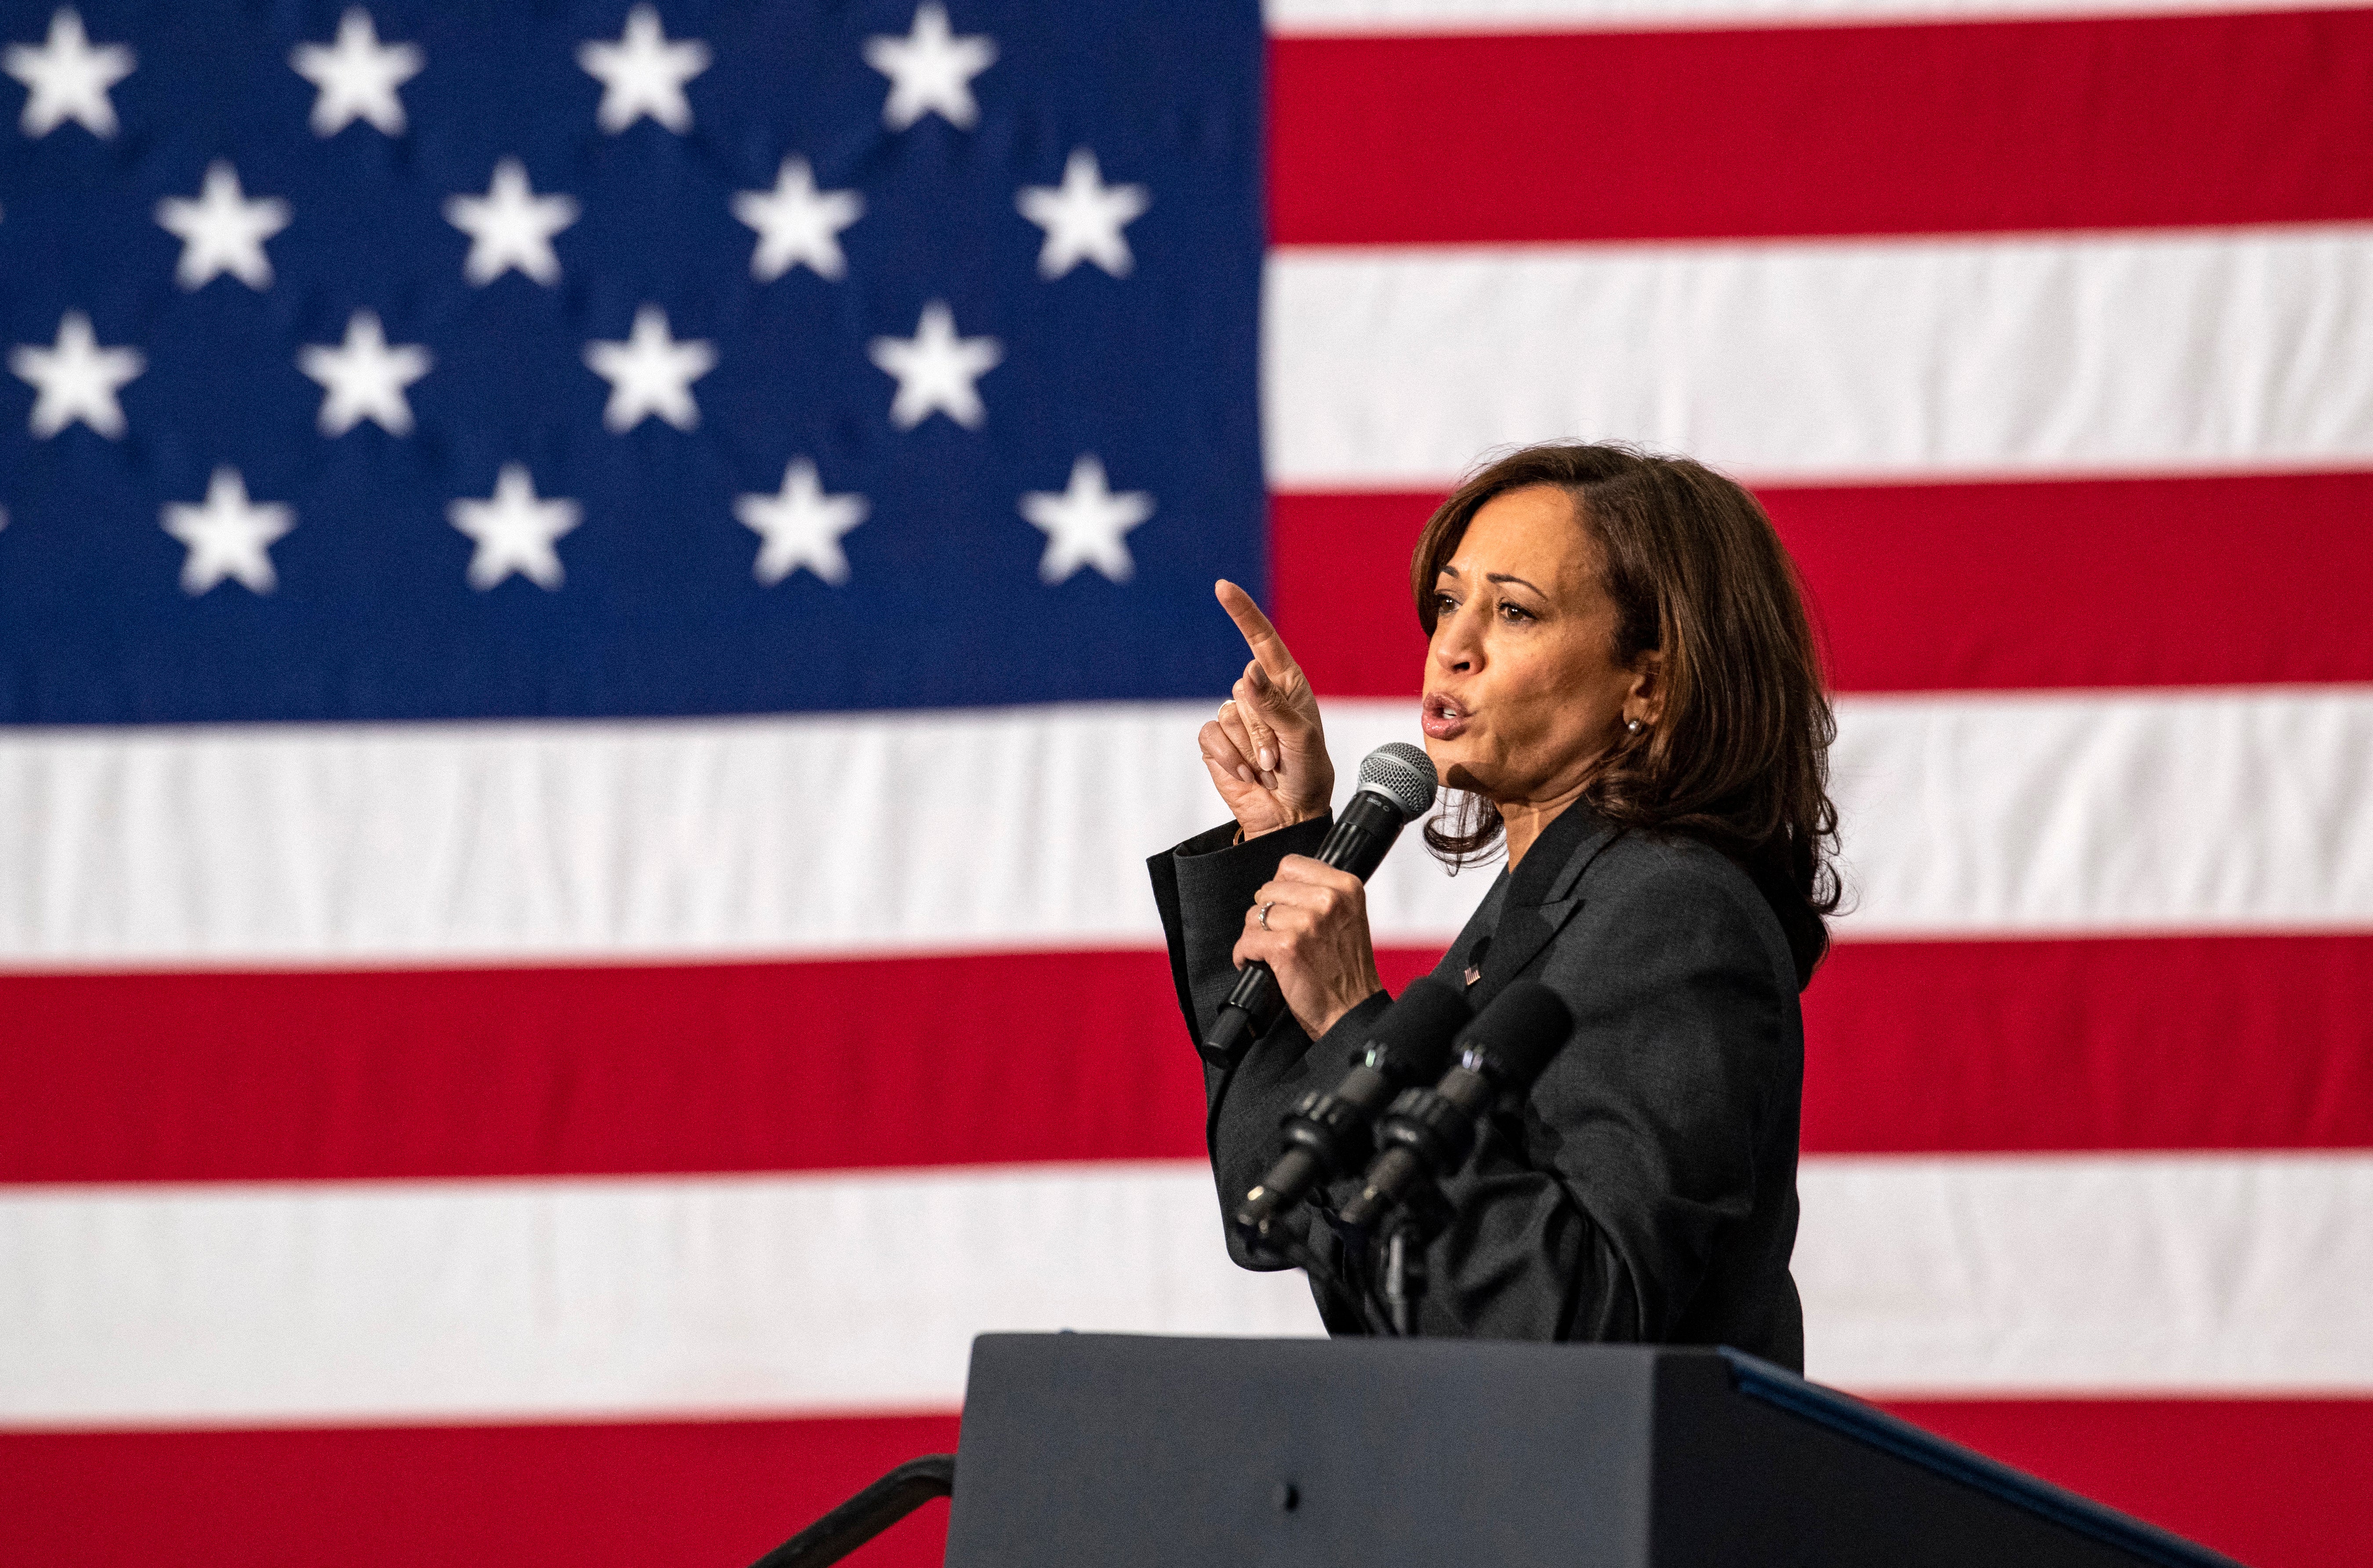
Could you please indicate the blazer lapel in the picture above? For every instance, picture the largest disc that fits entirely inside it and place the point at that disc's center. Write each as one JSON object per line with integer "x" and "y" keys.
{"x": 1542, "y": 896}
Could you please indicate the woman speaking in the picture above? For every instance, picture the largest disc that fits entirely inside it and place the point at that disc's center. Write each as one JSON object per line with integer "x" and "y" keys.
{"x": 1622, "y": 690}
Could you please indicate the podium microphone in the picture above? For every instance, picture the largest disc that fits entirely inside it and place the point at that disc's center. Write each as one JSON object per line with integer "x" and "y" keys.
{"x": 1327, "y": 1135}
{"x": 1428, "y": 1134}
{"x": 1397, "y": 784}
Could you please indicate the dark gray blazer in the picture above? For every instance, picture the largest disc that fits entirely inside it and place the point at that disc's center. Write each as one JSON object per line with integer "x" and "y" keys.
{"x": 1647, "y": 1190}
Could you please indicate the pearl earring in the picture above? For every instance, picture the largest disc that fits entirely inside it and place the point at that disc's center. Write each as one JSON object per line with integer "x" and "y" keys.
{"x": 1633, "y": 726}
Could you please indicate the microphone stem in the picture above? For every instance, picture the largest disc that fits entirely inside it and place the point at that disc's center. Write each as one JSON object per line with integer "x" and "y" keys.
{"x": 1404, "y": 1281}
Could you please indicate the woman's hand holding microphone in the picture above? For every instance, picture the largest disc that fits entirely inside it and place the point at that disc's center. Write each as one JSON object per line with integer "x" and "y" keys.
{"x": 1267, "y": 755}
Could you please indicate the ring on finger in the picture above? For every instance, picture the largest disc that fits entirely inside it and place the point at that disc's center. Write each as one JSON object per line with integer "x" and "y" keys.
{"x": 1265, "y": 908}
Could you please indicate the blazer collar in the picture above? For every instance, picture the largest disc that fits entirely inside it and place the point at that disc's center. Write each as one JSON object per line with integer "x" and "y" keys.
{"x": 1543, "y": 893}
{"x": 1555, "y": 863}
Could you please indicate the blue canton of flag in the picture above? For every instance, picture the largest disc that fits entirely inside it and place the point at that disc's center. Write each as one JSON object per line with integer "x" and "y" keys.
{"x": 439, "y": 361}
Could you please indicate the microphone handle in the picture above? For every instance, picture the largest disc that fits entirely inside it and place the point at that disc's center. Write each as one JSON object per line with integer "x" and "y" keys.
{"x": 1388, "y": 1177}
{"x": 1361, "y": 835}
{"x": 1253, "y": 1005}
{"x": 1324, "y": 1133}
{"x": 1296, "y": 1172}
{"x": 1356, "y": 844}
{"x": 1429, "y": 1134}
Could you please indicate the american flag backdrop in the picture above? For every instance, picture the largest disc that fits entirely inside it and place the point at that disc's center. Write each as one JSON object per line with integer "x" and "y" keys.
{"x": 600, "y": 604}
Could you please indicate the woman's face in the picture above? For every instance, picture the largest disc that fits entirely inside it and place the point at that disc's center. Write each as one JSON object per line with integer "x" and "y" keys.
{"x": 1522, "y": 687}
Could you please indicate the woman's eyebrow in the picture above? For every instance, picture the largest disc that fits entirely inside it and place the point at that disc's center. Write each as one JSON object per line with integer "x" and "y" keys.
{"x": 1510, "y": 577}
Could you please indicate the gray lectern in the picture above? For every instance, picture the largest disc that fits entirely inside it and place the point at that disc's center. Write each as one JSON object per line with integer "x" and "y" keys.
{"x": 1116, "y": 1450}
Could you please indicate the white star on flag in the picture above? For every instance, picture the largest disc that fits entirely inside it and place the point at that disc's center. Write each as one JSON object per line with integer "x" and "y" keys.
{"x": 1086, "y": 523}
{"x": 67, "y": 79}
{"x": 650, "y": 373}
{"x": 515, "y": 532}
{"x": 798, "y": 224}
{"x": 930, "y": 69}
{"x": 76, "y": 378}
{"x": 936, "y": 370}
{"x": 357, "y": 76}
{"x": 1083, "y": 219}
{"x": 644, "y": 74}
{"x": 800, "y": 526}
{"x": 222, "y": 231}
{"x": 364, "y": 377}
{"x": 228, "y": 536}
{"x": 510, "y": 226}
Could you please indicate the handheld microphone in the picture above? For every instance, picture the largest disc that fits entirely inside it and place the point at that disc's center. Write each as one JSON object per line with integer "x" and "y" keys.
{"x": 1397, "y": 784}
{"x": 1428, "y": 1134}
{"x": 1326, "y": 1134}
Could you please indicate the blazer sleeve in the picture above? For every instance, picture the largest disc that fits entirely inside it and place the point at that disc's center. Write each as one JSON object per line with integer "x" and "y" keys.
{"x": 1204, "y": 886}
{"x": 1593, "y": 1209}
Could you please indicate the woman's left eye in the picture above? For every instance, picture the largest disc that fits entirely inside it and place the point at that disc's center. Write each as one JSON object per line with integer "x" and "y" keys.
{"x": 1509, "y": 612}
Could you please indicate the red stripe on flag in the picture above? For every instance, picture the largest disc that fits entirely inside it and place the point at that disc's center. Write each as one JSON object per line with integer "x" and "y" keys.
{"x": 2277, "y": 1483}
{"x": 2200, "y": 581}
{"x": 1339, "y": 589}
{"x": 2232, "y": 580}
{"x": 2156, "y": 1042}
{"x": 738, "y": 1067}
{"x": 1954, "y": 128}
{"x": 684, "y": 1495}
{"x": 2176, "y": 1043}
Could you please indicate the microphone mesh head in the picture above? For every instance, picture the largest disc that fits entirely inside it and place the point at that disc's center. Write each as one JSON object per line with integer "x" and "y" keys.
{"x": 1417, "y": 1028}
{"x": 1401, "y": 773}
{"x": 1524, "y": 1026}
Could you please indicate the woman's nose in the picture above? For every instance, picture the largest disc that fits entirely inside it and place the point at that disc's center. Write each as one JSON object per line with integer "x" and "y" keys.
{"x": 1456, "y": 646}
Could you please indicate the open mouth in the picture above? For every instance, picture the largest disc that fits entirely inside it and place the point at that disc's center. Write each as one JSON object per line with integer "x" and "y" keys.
{"x": 1441, "y": 716}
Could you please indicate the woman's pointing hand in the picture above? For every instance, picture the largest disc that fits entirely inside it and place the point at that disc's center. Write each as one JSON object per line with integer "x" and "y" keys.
{"x": 1266, "y": 751}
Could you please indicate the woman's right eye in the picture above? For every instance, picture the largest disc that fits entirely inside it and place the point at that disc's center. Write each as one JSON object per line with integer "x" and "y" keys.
{"x": 1444, "y": 602}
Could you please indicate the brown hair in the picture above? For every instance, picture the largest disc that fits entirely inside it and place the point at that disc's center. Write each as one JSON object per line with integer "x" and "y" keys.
{"x": 1739, "y": 756}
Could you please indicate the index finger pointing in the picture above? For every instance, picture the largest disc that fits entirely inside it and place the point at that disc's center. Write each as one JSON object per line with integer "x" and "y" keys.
{"x": 1269, "y": 648}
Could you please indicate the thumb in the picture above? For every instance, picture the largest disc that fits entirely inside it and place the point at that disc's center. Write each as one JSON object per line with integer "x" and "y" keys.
{"x": 1288, "y": 707}
{"x": 1271, "y": 725}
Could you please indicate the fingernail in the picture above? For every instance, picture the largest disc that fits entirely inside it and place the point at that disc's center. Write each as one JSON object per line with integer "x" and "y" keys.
{"x": 1268, "y": 760}
{"x": 1245, "y": 774}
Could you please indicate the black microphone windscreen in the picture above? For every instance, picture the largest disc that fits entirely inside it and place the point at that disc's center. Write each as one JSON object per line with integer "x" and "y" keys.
{"x": 1417, "y": 1029}
{"x": 1524, "y": 1026}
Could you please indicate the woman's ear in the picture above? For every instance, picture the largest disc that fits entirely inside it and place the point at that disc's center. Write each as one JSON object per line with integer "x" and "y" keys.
{"x": 1645, "y": 701}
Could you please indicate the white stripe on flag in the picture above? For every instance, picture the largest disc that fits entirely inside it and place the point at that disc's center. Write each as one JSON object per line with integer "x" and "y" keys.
{"x": 353, "y": 1302}
{"x": 156, "y": 1306}
{"x": 2184, "y": 811}
{"x": 2070, "y": 1274}
{"x": 2028, "y": 815}
{"x": 1354, "y": 19}
{"x": 972, "y": 830}
{"x": 2097, "y": 814}
{"x": 2171, "y": 352}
